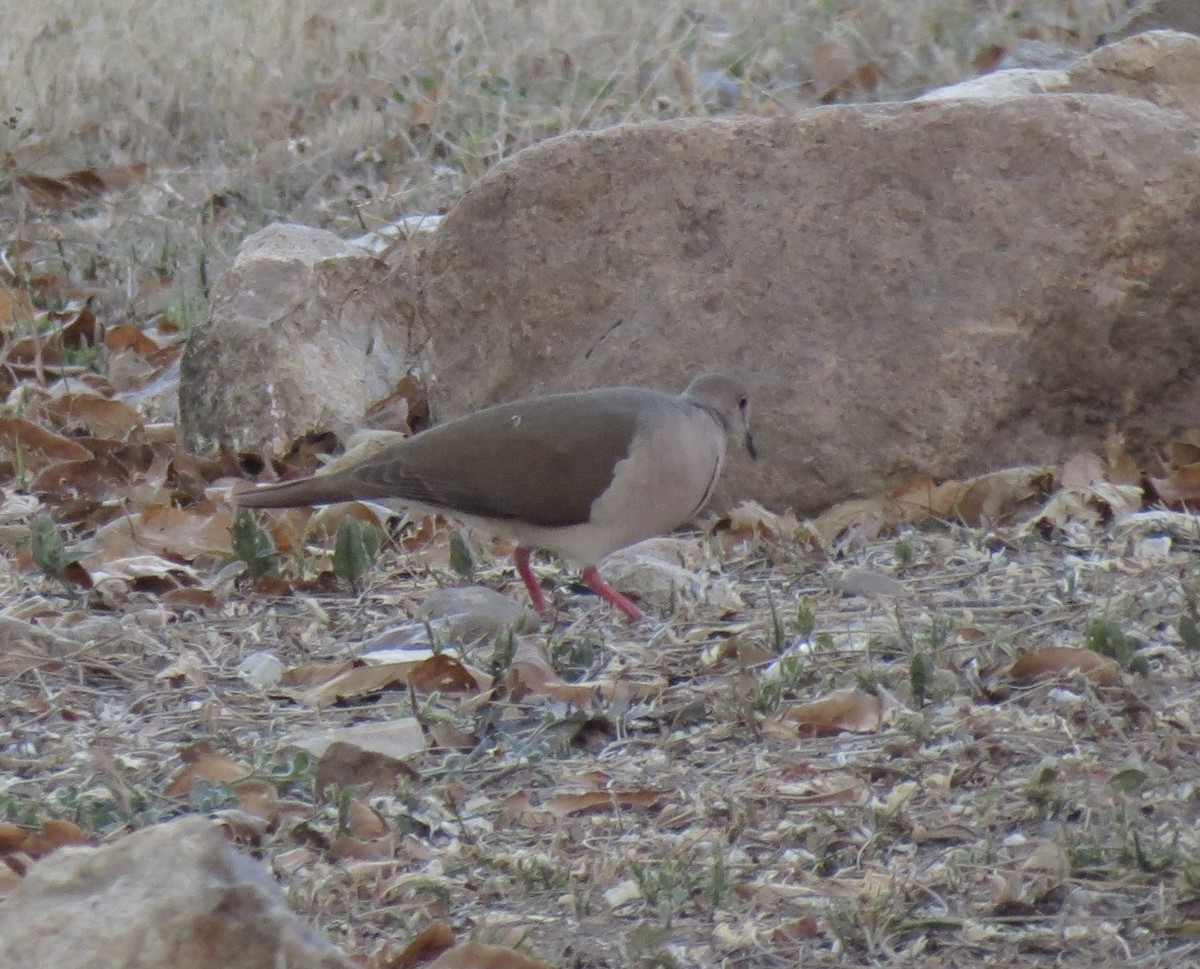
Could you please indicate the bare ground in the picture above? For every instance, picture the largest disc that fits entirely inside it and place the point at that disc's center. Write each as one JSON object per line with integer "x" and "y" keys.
{"x": 679, "y": 818}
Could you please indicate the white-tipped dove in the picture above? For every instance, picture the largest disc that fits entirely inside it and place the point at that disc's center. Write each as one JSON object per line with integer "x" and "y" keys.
{"x": 580, "y": 474}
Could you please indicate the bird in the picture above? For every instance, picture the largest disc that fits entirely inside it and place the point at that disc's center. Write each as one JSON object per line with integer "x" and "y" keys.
{"x": 580, "y": 474}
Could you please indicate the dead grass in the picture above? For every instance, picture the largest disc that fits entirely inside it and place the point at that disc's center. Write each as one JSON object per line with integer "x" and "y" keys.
{"x": 986, "y": 824}
{"x": 251, "y": 112}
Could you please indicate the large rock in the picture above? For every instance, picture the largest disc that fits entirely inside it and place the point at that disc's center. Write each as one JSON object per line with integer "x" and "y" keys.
{"x": 303, "y": 335}
{"x": 1161, "y": 66}
{"x": 1150, "y": 15}
{"x": 934, "y": 287}
{"x": 176, "y": 894}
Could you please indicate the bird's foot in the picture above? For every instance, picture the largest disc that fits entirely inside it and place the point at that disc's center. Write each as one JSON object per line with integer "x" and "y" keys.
{"x": 521, "y": 557}
{"x": 591, "y": 578}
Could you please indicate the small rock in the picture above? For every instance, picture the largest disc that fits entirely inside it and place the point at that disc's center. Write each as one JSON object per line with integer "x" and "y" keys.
{"x": 261, "y": 670}
{"x": 470, "y": 613}
{"x": 176, "y": 894}
{"x": 298, "y": 340}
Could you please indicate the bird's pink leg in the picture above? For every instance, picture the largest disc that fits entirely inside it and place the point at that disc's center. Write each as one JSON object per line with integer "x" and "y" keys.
{"x": 521, "y": 557}
{"x": 591, "y": 578}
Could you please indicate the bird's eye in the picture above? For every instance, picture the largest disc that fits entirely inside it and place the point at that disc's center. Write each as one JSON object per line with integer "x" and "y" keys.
{"x": 742, "y": 402}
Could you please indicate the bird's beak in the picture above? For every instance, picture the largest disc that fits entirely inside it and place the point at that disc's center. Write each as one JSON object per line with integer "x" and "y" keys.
{"x": 750, "y": 448}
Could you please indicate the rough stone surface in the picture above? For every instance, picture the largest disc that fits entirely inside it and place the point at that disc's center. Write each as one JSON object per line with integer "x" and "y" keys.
{"x": 937, "y": 288}
{"x": 177, "y": 894}
{"x": 1163, "y": 15}
{"x": 304, "y": 334}
{"x": 940, "y": 287}
{"x": 1161, "y": 66}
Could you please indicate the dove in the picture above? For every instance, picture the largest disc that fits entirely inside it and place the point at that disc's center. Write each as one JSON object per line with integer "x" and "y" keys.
{"x": 579, "y": 474}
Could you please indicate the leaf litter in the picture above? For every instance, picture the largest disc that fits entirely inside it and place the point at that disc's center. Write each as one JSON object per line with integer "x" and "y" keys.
{"x": 760, "y": 785}
{"x": 951, "y": 723}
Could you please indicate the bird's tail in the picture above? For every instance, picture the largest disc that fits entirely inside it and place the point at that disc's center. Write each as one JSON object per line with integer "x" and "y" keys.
{"x": 323, "y": 489}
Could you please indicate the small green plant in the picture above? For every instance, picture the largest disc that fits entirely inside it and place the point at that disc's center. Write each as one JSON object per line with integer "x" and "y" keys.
{"x": 503, "y": 650}
{"x": 462, "y": 560}
{"x": 1189, "y": 631}
{"x": 920, "y": 676}
{"x": 778, "y": 635}
{"x": 49, "y": 550}
{"x": 1046, "y": 792}
{"x": 254, "y": 545}
{"x": 290, "y": 774}
{"x": 667, "y": 886}
{"x": 84, "y": 355}
{"x": 573, "y": 657}
{"x": 1108, "y": 639}
{"x": 354, "y": 549}
{"x": 788, "y": 675}
{"x": 719, "y": 881}
{"x": 806, "y": 618}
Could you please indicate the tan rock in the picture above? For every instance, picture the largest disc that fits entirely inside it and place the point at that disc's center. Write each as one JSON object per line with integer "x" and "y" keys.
{"x": 1159, "y": 15}
{"x": 940, "y": 287}
{"x": 302, "y": 335}
{"x": 1160, "y": 66}
{"x": 177, "y": 894}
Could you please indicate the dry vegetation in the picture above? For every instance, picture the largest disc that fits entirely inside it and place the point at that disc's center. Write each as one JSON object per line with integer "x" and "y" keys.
{"x": 948, "y": 812}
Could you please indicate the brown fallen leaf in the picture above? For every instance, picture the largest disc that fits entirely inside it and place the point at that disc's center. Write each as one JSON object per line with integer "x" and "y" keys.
{"x": 100, "y": 416}
{"x": 31, "y": 440}
{"x": 202, "y": 763}
{"x": 840, "y": 712}
{"x": 95, "y": 478}
{"x": 426, "y": 673}
{"x": 530, "y": 672}
{"x": 363, "y": 821}
{"x": 54, "y": 835}
{"x": 749, "y": 519}
{"x": 345, "y": 765}
{"x": 476, "y": 955}
{"x": 346, "y": 847}
{"x": 430, "y": 942}
{"x": 563, "y": 805}
{"x": 1180, "y": 485}
{"x": 12, "y": 837}
{"x": 162, "y": 530}
{"x": 124, "y": 337}
{"x": 1057, "y": 661}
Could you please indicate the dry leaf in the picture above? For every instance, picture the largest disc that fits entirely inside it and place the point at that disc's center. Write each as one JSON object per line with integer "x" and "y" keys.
{"x": 394, "y": 738}
{"x": 123, "y": 337}
{"x": 28, "y": 440}
{"x": 54, "y": 835}
{"x": 201, "y": 762}
{"x": 749, "y": 519}
{"x": 100, "y": 416}
{"x": 1181, "y": 484}
{"x": 846, "y": 710}
{"x": 530, "y": 672}
{"x": 162, "y": 530}
{"x": 357, "y": 682}
{"x": 345, "y": 765}
{"x": 1056, "y": 661}
{"x": 430, "y": 942}
{"x": 475, "y": 955}
{"x": 364, "y": 822}
{"x": 563, "y": 805}
{"x": 346, "y": 847}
